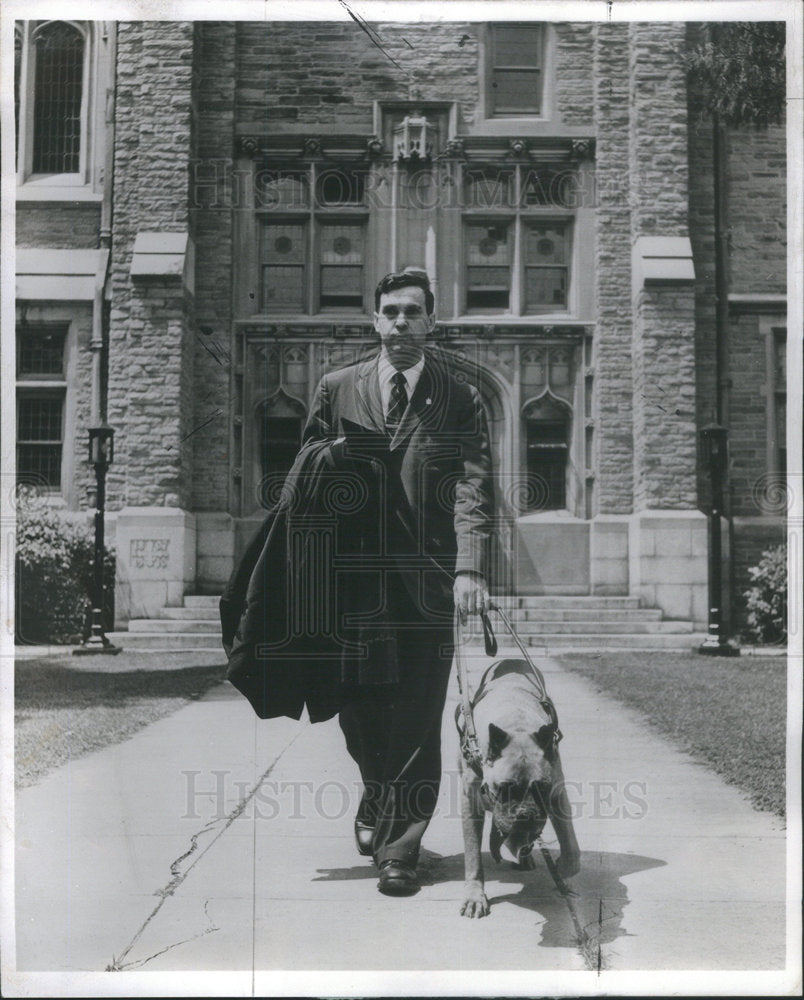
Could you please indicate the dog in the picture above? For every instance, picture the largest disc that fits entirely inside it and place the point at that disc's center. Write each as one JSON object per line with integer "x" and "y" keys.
{"x": 518, "y": 779}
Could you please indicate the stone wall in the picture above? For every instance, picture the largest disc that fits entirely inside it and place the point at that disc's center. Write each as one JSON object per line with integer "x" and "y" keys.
{"x": 757, "y": 212}
{"x": 296, "y": 72}
{"x": 664, "y": 317}
{"x": 613, "y": 388}
{"x": 211, "y": 201}
{"x": 58, "y": 225}
{"x": 150, "y": 359}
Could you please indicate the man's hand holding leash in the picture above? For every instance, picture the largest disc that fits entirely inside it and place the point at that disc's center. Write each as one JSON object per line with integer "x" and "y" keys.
{"x": 471, "y": 595}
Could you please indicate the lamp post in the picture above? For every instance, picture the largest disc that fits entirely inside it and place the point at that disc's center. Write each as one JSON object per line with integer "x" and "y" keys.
{"x": 714, "y": 439}
{"x": 101, "y": 455}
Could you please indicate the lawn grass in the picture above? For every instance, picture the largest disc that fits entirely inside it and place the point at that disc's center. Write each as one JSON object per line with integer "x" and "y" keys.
{"x": 729, "y": 713}
{"x": 65, "y": 708}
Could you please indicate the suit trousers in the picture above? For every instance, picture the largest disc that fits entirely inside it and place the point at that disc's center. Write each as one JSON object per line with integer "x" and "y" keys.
{"x": 393, "y": 732}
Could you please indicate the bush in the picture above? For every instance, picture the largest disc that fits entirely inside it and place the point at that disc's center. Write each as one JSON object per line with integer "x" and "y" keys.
{"x": 54, "y": 574}
{"x": 766, "y": 600}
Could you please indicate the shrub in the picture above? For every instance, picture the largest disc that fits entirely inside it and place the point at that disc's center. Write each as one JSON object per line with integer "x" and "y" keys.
{"x": 54, "y": 574}
{"x": 766, "y": 599}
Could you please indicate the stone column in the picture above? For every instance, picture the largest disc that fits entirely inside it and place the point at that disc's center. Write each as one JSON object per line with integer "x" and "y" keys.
{"x": 667, "y": 537}
{"x": 613, "y": 385}
{"x": 151, "y": 327}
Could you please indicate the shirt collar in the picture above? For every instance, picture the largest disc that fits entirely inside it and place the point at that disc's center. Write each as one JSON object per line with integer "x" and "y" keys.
{"x": 386, "y": 370}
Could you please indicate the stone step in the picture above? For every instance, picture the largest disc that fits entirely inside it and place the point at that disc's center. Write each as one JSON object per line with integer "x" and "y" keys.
{"x": 167, "y": 625}
{"x": 192, "y": 613}
{"x": 516, "y": 615}
{"x": 593, "y": 626}
{"x": 559, "y": 601}
{"x": 168, "y": 641}
{"x": 201, "y": 600}
{"x": 172, "y": 642}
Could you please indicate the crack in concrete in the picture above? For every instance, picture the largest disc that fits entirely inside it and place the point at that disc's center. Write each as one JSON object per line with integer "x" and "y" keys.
{"x": 178, "y": 876}
{"x": 140, "y": 962}
{"x": 588, "y": 944}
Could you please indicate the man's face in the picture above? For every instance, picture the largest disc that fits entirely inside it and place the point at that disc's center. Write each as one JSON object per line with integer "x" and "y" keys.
{"x": 403, "y": 325}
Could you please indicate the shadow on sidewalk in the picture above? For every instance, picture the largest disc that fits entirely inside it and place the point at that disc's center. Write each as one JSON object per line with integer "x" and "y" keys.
{"x": 598, "y": 894}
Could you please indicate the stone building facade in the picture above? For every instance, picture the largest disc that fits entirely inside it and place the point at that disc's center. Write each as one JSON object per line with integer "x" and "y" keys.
{"x": 207, "y": 248}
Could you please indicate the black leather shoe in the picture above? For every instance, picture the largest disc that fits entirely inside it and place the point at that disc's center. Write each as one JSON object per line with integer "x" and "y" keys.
{"x": 364, "y": 834}
{"x": 397, "y": 879}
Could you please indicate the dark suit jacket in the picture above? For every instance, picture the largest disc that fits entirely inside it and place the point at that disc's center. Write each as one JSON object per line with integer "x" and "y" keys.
{"x": 437, "y": 509}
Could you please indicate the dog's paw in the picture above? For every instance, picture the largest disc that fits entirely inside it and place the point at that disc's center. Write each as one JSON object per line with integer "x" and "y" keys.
{"x": 568, "y": 865}
{"x": 476, "y": 903}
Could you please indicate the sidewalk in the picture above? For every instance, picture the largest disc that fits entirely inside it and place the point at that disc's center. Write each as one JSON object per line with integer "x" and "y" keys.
{"x": 211, "y": 840}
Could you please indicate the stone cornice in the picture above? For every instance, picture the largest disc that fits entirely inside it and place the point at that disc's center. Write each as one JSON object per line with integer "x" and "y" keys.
{"x": 298, "y": 147}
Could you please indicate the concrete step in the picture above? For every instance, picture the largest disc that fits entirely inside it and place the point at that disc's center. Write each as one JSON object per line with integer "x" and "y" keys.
{"x": 191, "y": 613}
{"x": 167, "y": 625}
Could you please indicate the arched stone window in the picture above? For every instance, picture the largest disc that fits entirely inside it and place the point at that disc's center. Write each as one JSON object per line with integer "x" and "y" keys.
{"x": 547, "y": 428}
{"x": 60, "y": 49}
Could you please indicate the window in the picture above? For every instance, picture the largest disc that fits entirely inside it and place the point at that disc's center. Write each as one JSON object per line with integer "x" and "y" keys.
{"x": 313, "y": 236}
{"x": 41, "y": 389}
{"x": 39, "y": 438}
{"x": 777, "y": 400}
{"x": 60, "y": 68}
{"x": 547, "y": 427}
{"x": 58, "y": 95}
{"x": 518, "y": 261}
{"x": 515, "y": 56}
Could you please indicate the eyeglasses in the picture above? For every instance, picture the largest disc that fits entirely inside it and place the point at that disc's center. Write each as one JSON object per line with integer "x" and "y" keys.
{"x": 409, "y": 312}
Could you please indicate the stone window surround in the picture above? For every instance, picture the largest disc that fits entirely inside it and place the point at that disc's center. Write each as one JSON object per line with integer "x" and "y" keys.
{"x": 86, "y": 184}
{"x": 579, "y": 221}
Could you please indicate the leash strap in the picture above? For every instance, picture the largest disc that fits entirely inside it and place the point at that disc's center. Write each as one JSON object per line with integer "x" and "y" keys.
{"x": 470, "y": 748}
{"x": 539, "y": 677}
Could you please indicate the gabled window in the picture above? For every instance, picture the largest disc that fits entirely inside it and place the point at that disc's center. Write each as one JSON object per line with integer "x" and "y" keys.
{"x": 313, "y": 240}
{"x": 515, "y": 77}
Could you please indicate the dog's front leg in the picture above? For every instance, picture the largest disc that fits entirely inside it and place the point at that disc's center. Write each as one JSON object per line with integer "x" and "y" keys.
{"x": 475, "y": 903}
{"x": 569, "y": 861}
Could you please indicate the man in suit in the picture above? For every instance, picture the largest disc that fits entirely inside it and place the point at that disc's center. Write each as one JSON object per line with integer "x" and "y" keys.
{"x": 416, "y": 430}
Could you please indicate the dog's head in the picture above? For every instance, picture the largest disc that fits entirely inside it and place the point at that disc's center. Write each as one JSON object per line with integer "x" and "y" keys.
{"x": 518, "y": 779}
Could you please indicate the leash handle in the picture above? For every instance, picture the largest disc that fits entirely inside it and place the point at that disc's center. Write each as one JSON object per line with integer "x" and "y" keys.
{"x": 522, "y": 648}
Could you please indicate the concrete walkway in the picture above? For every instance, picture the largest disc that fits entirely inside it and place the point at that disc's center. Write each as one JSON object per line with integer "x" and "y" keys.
{"x": 213, "y": 841}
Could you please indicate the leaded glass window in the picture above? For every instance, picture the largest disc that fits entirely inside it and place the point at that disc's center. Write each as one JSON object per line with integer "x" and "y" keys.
{"x": 58, "y": 95}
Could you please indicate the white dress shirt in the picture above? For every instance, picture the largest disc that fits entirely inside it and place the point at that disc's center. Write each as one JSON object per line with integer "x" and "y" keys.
{"x": 386, "y": 371}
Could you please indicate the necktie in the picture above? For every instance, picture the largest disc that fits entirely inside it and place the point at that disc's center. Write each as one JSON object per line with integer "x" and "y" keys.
{"x": 397, "y": 403}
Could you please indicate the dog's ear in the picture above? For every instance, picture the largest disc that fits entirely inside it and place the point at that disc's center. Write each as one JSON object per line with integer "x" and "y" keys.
{"x": 497, "y": 740}
{"x": 545, "y": 738}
